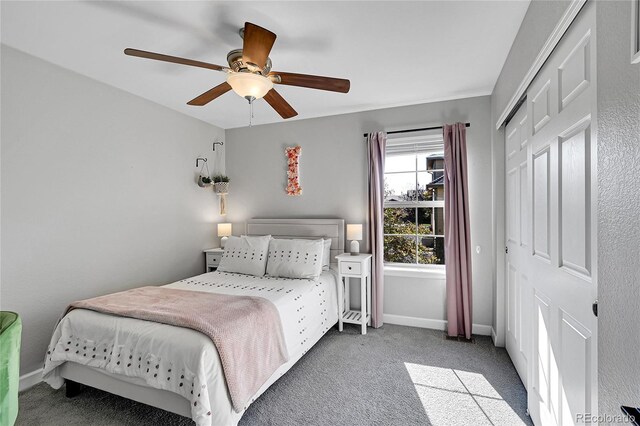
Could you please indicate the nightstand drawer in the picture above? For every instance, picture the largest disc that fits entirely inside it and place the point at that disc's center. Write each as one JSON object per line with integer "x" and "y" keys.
{"x": 350, "y": 267}
{"x": 213, "y": 259}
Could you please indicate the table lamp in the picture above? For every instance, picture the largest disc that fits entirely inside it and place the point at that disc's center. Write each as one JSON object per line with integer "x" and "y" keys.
{"x": 354, "y": 233}
{"x": 224, "y": 231}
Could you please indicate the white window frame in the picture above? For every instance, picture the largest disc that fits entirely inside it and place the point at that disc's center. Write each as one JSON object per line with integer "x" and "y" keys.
{"x": 434, "y": 144}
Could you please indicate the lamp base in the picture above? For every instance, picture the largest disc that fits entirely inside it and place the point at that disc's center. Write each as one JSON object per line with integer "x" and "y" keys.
{"x": 355, "y": 248}
{"x": 223, "y": 241}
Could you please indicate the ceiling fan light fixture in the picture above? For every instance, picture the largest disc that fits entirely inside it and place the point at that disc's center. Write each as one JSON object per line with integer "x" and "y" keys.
{"x": 249, "y": 85}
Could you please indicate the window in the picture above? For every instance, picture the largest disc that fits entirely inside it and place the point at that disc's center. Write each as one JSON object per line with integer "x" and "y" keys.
{"x": 414, "y": 201}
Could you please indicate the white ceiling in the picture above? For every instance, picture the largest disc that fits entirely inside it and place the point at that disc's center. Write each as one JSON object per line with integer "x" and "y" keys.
{"x": 394, "y": 53}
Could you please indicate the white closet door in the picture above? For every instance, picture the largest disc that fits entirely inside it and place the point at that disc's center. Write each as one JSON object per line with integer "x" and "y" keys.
{"x": 518, "y": 236}
{"x": 551, "y": 231}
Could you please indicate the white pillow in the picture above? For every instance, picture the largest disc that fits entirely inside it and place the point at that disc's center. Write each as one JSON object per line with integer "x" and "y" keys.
{"x": 245, "y": 255}
{"x": 295, "y": 258}
{"x": 326, "y": 256}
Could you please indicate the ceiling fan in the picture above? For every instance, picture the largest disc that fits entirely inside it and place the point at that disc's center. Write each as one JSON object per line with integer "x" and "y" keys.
{"x": 249, "y": 72}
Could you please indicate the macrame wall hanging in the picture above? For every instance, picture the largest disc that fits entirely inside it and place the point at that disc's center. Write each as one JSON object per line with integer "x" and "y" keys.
{"x": 293, "y": 176}
{"x": 222, "y": 189}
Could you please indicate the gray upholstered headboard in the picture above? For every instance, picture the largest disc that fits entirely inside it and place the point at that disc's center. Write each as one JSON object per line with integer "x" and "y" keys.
{"x": 301, "y": 228}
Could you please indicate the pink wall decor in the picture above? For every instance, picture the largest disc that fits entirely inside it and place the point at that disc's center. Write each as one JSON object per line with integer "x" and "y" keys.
{"x": 293, "y": 177}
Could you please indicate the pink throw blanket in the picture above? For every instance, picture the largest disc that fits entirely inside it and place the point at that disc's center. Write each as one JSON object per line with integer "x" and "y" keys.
{"x": 246, "y": 330}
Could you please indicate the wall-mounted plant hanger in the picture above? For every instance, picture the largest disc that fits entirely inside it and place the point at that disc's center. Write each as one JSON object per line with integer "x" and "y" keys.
{"x": 221, "y": 187}
{"x": 204, "y": 180}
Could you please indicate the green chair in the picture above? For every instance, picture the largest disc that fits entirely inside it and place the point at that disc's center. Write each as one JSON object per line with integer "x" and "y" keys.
{"x": 10, "y": 331}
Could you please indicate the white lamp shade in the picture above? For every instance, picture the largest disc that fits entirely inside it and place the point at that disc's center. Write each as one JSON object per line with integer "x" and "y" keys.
{"x": 354, "y": 231}
{"x": 224, "y": 229}
{"x": 249, "y": 85}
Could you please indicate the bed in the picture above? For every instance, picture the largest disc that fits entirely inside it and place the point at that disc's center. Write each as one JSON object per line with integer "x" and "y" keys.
{"x": 178, "y": 369}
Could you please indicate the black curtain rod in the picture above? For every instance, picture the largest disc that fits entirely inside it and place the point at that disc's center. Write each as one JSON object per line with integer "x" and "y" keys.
{"x": 416, "y": 130}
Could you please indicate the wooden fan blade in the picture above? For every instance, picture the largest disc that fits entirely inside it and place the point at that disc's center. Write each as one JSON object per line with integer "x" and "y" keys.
{"x": 173, "y": 59}
{"x": 257, "y": 44}
{"x": 210, "y": 95}
{"x": 278, "y": 103}
{"x": 312, "y": 81}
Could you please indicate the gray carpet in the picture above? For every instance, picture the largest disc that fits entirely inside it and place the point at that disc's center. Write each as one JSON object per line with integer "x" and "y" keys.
{"x": 391, "y": 376}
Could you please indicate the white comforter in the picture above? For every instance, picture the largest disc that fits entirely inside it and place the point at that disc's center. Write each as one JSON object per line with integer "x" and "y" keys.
{"x": 185, "y": 361}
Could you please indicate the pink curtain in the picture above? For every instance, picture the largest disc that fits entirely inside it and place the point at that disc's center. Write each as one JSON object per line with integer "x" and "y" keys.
{"x": 376, "y": 145}
{"x": 457, "y": 239}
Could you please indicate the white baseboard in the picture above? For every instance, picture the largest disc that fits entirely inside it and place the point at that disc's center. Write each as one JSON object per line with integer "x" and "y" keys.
{"x": 30, "y": 379}
{"x": 434, "y": 324}
{"x": 494, "y": 336}
{"x": 481, "y": 329}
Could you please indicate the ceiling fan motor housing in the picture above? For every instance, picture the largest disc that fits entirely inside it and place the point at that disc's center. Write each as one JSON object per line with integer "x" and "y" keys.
{"x": 234, "y": 59}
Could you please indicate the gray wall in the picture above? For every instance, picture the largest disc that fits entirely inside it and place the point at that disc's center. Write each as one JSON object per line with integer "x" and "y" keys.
{"x": 541, "y": 18}
{"x": 98, "y": 194}
{"x": 334, "y": 181}
{"x": 618, "y": 219}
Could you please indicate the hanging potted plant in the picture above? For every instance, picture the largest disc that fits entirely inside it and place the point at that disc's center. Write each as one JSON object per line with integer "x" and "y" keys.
{"x": 204, "y": 181}
{"x": 221, "y": 184}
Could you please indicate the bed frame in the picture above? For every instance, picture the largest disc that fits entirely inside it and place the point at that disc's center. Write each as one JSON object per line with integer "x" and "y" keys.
{"x": 76, "y": 375}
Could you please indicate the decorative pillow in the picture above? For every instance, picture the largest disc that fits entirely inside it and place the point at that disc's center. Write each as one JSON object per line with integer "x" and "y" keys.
{"x": 245, "y": 255}
{"x": 326, "y": 255}
{"x": 295, "y": 258}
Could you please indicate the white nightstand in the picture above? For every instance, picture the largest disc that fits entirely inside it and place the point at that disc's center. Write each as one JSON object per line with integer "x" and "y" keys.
{"x": 213, "y": 257}
{"x": 358, "y": 266}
